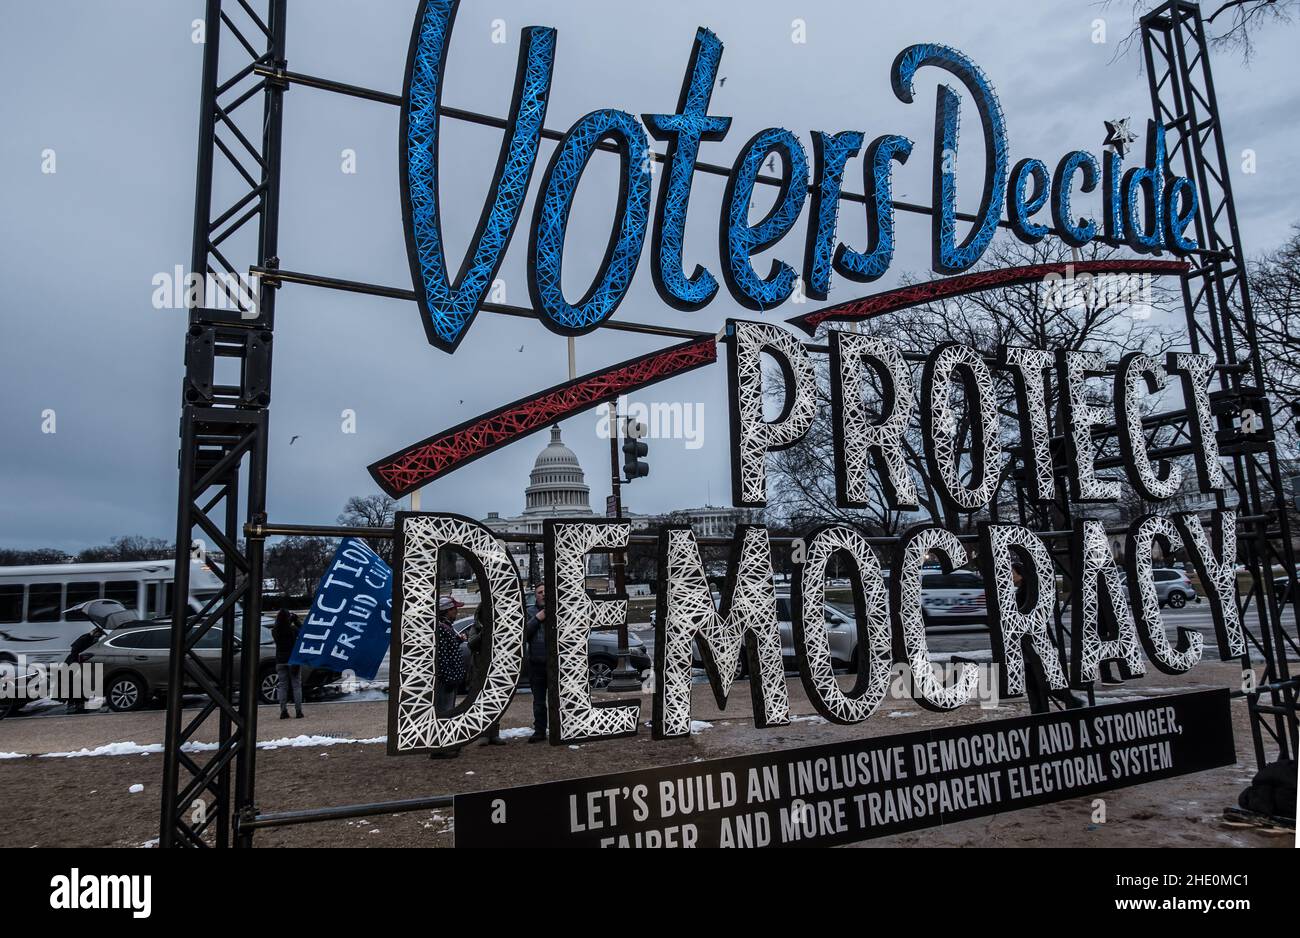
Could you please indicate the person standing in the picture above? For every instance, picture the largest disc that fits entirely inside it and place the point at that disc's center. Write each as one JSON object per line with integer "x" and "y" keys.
{"x": 77, "y": 704}
{"x": 285, "y": 634}
{"x": 448, "y": 666}
{"x": 535, "y": 648}
{"x": 479, "y": 661}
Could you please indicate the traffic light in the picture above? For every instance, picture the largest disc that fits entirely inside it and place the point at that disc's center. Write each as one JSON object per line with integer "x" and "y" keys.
{"x": 633, "y": 451}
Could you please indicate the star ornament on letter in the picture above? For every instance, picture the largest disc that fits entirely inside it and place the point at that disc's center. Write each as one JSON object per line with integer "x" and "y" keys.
{"x": 1119, "y": 136}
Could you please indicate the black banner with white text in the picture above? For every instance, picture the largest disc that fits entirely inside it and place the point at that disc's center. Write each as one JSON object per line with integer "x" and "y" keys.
{"x": 845, "y": 792}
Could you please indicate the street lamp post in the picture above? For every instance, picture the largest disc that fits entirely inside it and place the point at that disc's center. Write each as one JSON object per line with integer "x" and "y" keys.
{"x": 625, "y": 678}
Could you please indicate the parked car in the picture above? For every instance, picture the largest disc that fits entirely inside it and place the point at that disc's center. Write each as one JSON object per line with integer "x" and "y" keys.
{"x": 602, "y": 656}
{"x": 17, "y": 686}
{"x": 1174, "y": 588}
{"x": 947, "y": 597}
{"x": 1282, "y": 589}
{"x": 24, "y": 678}
{"x": 22, "y": 685}
{"x": 841, "y": 634}
{"x": 602, "y": 651}
{"x": 136, "y": 662}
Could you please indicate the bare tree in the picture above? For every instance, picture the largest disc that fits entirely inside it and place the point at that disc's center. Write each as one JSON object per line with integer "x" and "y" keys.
{"x": 1231, "y": 25}
{"x": 129, "y": 547}
{"x": 372, "y": 511}
{"x": 18, "y": 557}
{"x": 1275, "y": 288}
{"x": 298, "y": 563}
{"x": 1111, "y": 318}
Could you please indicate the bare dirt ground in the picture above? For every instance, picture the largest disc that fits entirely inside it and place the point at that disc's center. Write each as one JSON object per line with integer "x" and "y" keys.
{"x": 86, "y": 802}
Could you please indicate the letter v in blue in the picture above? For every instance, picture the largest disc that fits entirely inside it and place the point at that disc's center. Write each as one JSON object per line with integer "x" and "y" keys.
{"x": 448, "y": 309}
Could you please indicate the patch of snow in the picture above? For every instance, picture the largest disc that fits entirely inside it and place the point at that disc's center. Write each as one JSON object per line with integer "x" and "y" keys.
{"x": 13, "y": 755}
{"x": 303, "y": 742}
{"x": 123, "y": 749}
{"x": 136, "y": 749}
{"x": 810, "y": 718}
{"x": 364, "y": 694}
{"x": 136, "y": 788}
{"x": 894, "y": 714}
{"x": 699, "y": 726}
{"x": 518, "y": 732}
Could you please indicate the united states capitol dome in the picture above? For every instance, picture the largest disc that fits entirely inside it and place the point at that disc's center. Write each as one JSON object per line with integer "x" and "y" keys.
{"x": 557, "y": 483}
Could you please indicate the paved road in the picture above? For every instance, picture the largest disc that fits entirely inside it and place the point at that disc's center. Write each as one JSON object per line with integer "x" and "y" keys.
{"x": 959, "y": 639}
{"x": 945, "y": 640}
{"x": 966, "y": 641}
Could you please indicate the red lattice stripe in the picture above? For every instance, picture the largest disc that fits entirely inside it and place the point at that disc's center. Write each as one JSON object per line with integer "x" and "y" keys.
{"x": 418, "y": 465}
{"x": 932, "y": 290}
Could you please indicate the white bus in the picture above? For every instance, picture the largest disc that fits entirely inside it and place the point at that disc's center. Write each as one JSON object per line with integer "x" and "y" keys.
{"x": 33, "y": 600}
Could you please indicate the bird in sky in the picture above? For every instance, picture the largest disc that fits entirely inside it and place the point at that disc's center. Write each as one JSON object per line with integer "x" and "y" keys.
{"x": 294, "y": 440}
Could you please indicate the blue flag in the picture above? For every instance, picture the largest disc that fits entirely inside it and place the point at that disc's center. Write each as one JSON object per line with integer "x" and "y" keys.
{"x": 351, "y": 617}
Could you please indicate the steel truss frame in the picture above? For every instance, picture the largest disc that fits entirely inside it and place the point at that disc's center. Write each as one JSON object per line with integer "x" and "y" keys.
{"x": 1221, "y": 323}
{"x": 224, "y": 426}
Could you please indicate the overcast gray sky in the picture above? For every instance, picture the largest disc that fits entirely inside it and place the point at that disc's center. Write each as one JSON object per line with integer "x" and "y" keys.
{"x": 112, "y": 87}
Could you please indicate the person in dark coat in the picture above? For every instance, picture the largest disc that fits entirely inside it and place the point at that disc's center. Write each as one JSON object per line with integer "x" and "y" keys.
{"x": 288, "y": 676}
{"x": 448, "y": 666}
{"x": 1037, "y": 689}
{"x": 79, "y": 645}
{"x": 535, "y": 649}
{"x": 479, "y": 660}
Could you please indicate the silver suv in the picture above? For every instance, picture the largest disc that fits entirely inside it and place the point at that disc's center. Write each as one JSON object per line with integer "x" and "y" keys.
{"x": 1174, "y": 589}
{"x": 137, "y": 661}
{"x": 841, "y": 634}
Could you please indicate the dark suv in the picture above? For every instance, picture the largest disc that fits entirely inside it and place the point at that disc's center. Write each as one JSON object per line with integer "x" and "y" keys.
{"x": 602, "y": 651}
